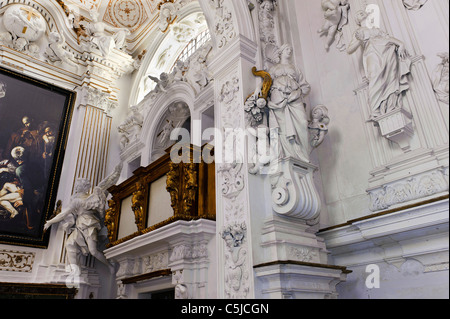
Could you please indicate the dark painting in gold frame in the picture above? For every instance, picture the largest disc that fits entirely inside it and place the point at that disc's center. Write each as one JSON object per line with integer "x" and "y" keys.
{"x": 34, "y": 125}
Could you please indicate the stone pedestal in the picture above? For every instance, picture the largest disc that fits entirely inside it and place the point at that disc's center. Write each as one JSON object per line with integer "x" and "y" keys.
{"x": 397, "y": 127}
{"x": 294, "y": 259}
{"x": 86, "y": 281}
{"x": 298, "y": 280}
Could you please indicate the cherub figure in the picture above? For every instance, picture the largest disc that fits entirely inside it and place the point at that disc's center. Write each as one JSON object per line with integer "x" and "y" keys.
{"x": 336, "y": 16}
{"x": 56, "y": 52}
{"x": 161, "y": 83}
{"x": 318, "y": 126}
{"x": 82, "y": 220}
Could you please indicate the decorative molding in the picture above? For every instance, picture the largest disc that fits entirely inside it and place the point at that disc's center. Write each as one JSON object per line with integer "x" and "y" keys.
{"x": 126, "y": 14}
{"x": 97, "y": 98}
{"x": 155, "y": 262}
{"x": 301, "y": 254}
{"x": 223, "y": 24}
{"x": 419, "y": 186}
{"x": 189, "y": 251}
{"x": 236, "y": 261}
{"x": 393, "y": 237}
{"x": 231, "y": 116}
{"x": 16, "y": 261}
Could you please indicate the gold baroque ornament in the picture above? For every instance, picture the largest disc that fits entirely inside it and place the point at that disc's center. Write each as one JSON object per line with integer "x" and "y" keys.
{"x": 173, "y": 185}
{"x": 16, "y": 261}
{"x": 257, "y": 101}
{"x": 110, "y": 220}
{"x": 138, "y": 202}
{"x": 190, "y": 188}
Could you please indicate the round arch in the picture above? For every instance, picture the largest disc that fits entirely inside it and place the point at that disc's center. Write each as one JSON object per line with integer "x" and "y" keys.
{"x": 179, "y": 92}
{"x": 240, "y": 19}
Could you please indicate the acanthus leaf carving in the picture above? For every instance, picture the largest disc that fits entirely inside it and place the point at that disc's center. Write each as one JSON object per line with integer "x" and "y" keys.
{"x": 236, "y": 261}
{"x": 224, "y": 27}
{"x": 413, "y": 188}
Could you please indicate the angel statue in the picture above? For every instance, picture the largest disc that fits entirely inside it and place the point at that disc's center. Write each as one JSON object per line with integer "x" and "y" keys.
{"x": 82, "y": 220}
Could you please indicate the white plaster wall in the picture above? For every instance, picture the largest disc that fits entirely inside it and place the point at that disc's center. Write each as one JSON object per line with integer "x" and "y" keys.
{"x": 344, "y": 158}
{"x": 407, "y": 282}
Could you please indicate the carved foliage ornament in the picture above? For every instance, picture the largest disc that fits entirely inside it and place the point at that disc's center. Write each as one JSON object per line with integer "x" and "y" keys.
{"x": 417, "y": 187}
{"x": 236, "y": 273}
{"x": 168, "y": 14}
{"x": 224, "y": 27}
{"x": 16, "y": 261}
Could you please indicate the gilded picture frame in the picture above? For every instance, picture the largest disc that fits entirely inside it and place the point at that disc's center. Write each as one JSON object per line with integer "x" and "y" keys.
{"x": 35, "y": 119}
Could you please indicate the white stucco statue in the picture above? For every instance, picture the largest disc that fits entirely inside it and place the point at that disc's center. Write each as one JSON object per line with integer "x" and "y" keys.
{"x": 336, "y": 17}
{"x": 56, "y": 52}
{"x": 82, "y": 220}
{"x": 198, "y": 74}
{"x": 101, "y": 39}
{"x": 287, "y": 115}
{"x": 130, "y": 129}
{"x": 441, "y": 79}
{"x": 318, "y": 126}
{"x": 386, "y": 64}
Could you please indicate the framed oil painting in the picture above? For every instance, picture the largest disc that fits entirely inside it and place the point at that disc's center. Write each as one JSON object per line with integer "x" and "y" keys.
{"x": 34, "y": 126}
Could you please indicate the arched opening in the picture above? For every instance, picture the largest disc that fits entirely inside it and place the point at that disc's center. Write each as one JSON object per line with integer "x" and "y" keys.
{"x": 177, "y": 116}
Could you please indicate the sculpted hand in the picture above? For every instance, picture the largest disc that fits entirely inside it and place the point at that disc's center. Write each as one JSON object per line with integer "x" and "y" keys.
{"x": 402, "y": 52}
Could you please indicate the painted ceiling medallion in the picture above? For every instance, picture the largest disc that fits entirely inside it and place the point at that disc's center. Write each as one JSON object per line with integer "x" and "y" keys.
{"x": 126, "y": 13}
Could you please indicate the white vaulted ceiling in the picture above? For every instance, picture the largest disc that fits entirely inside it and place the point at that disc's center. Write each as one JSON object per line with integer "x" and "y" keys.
{"x": 141, "y": 17}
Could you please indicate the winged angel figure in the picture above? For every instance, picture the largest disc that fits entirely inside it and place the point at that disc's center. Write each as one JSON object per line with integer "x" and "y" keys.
{"x": 82, "y": 219}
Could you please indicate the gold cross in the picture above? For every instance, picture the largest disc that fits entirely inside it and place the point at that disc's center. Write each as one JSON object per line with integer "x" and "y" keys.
{"x": 30, "y": 12}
